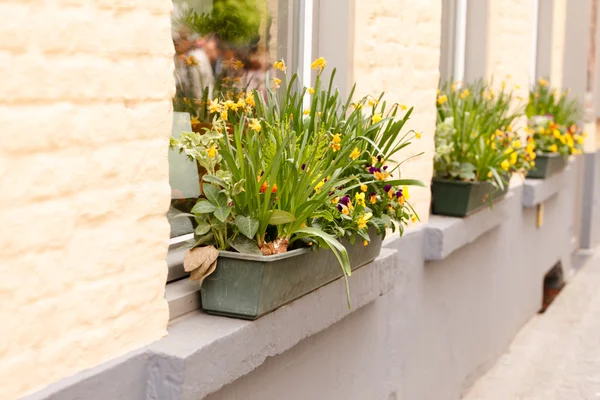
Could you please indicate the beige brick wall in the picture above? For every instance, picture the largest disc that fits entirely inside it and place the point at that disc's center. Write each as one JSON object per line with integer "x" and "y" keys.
{"x": 509, "y": 47}
{"x": 85, "y": 118}
{"x": 397, "y": 50}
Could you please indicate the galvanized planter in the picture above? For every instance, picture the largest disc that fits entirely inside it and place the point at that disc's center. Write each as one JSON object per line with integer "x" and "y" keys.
{"x": 247, "y": 286}
{"x": 460, "y": 199}
{"x": 547, "y": 165}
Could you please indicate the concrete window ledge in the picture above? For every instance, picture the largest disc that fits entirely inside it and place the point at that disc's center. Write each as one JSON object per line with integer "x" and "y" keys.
{"x": 444, "y": 235}
{"x": 203, "y": 353}
{"x": 537, "y": 191}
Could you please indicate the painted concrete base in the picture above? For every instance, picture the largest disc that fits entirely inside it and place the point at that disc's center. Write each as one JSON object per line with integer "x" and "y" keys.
{"x": 590, "y": 229}
{"x": 420, "y": 330}
{"x": 440, "y": 328}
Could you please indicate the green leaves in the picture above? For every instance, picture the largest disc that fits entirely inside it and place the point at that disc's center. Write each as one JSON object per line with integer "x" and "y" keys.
{"x": 222, "y": 213}
{"x": 246, "y": 225}
{"x": 215, "y": 196}
{"x": 279, "y": 217}
{"x": 203, "y": 207}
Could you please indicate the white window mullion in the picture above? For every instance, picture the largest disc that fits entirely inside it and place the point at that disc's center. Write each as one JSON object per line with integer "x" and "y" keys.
{"x": 460, "y": 40}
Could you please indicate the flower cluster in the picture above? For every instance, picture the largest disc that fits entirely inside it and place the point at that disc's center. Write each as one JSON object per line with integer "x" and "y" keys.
{"x": 476, "y": 138}
{"x": 553, "y": 120}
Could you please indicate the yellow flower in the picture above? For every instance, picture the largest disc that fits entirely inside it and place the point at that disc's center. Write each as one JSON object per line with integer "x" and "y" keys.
{"x": 224, "y": 115}
{"x": 381, "y": 176}
{"x": 376, "y": 118}
{"x": 214, "y": 107}
{"x": 513, "y": 158}
{"x": 194, "y": 121}
{"x": 255, "y": 125}
{"x": 363, "y": 187}
{"x": 490, "y": 174}
{"x": 355, "y": 154}
{"x": 390, "y": 193}
{"x": 237, "y": 64}
{"x": 335, "y": 142}
{"x": 563, "y": 139}
{"x": 212, "y": 151}
{"x": 413, "y": 218}
{"x": 556, "y": 133}
{"x": 465, "y": 93}
{"x": 576, "y": 151}
{"x": 372, "y": 101}
{"x": 365, "y": 243}
{"x": 517, "y": 144}
{"x": 230, "y": 105}
{"x": 442, "y": 99}
{"x": 276, "y": 83}
{"x": 357, "y": 106}
{"x": 280, "y": 65}
{"x": 453, "y": 86}
{"x": 345, "y": 210}
{"x": 335, "y": 200}
{"x": 553, "y": 148}
{"x": 405, "y": 192}
{"x": 191, "y": 60}
{"x": 373, "y": 199}
{"x": 579, "y": 139}
{"x": 250, "y": 99}
{"x": 418, "y": 135}
{"x": 319, "y": 185}
{"x": 310, "y": 90}
{"x": 403, "y": 107}
{"x": 307, "y": 111}
{"x": 505, "y": 165}
{"x": 543, "y": 82}
{"x": 508, "y": 150}
{"x": 363, "y": 219}
{"x": 532, "y": 164}
{"x": 360, "y": 199}
{"x": 319, "y": 64}
{"x": 517, "y": 87}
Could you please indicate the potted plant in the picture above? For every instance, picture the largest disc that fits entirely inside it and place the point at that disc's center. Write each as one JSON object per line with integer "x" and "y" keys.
{"x": 477, "y": 148}
{"x": 552, "y": 122}
{"x": 292, "y": 179}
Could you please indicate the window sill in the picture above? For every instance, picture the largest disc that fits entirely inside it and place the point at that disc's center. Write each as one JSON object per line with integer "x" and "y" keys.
{"x": 537, "y": 191}
{"x": 445, "y": 235}
{"x": 203, "y": 353}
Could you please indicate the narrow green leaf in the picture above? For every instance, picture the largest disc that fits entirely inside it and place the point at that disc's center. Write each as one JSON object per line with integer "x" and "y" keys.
{"x": 279, "y": 217}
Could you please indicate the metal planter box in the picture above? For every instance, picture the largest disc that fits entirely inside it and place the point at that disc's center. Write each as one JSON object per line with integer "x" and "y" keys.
{"x": 547, "y": 165}
{"x": 246, "y": 286}
{"x": 460, "y": 199}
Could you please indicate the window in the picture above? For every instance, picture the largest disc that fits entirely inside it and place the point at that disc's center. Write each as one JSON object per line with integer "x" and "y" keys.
{"x": 223, "y": 48}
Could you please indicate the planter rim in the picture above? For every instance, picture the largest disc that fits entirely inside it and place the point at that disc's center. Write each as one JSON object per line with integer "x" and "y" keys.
{"x": 261, "y": 258}
{"x": 442, "y": 180}
{"x": 551, "y": 155}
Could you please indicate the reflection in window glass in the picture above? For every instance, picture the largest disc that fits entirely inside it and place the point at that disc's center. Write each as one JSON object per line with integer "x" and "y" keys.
{"x": 223, "y": 49}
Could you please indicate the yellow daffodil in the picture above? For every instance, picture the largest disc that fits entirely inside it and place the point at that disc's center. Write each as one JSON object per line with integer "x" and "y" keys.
{"x": 319, "y": 64}
{"x": 280, "y": 65}
{"x": 356, "y": 106}
{"x": 310, "y": 90}
{"x": 418, "y": 135}
{"x": 403, "y": 107}
{"x": 194, "y": 121}
{"x": 543, "y": 82}
{"x": 355, "y": 154}
{"x": 255, "y": 125}
{"x": 276, "y": 83}
{"x": 405, "y": 194}
{"x": 250, "y": 100}
{"x": 376, "y": 118}
{"x": 307, "y": 111}
{"x": 465, "y": 93}
{"x": 372, "y": 101}
{"x": 413, "y": 218}
{"x": 442, "y": 99}
{"x": 214, "y": 107}
{"x": 212, "y": 151}
{"x": 335, "y": 142}
{"x": 224, "y": 115}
